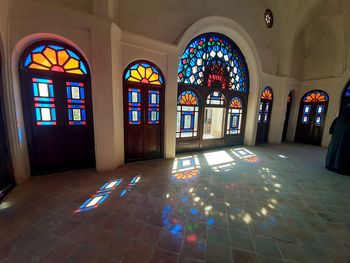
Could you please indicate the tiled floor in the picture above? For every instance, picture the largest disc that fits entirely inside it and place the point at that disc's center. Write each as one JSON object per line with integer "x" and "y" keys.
{"x": 272, "y": 203}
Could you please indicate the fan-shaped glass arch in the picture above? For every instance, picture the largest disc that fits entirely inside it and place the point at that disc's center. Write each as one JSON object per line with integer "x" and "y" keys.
{"x": 267, "y": 94}
{"x": 213, "y": 60}
{"x": 55, "y": 57}
{"x": 187, "y": 115}
{"x": 234, "y": 116}
{"x": 315, "y": 96}
{"x": 144, "y": 73}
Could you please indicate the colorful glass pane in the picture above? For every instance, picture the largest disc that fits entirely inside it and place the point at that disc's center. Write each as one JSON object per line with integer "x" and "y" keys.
{"x": 236, "y": 103}
{"x": 55, "y": 58}
{"x": 144, "y": 73}
{"x": 347, "y": 92}
{"x": 315, "y": 96}
{"x": 187, "y": 115}
{"x": 76, "y": 103}
{"x": 267, "y": 94}
{"x": 153, "y": 106}
{"x": 44, "y": 102}
{"x": 234, "y": 120}
{"x": 134, "y": 106}
{"x": 215, "y": 98}
{"x": 207, "y": 50}
{"x": 187, "y": 98}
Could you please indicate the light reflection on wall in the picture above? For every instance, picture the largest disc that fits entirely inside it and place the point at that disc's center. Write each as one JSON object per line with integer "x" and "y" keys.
{"x": 186, "y": 168}
{"x": 219, "y": 161}
{"x": 100, "y": 196}
{"x": 245, "y": 155}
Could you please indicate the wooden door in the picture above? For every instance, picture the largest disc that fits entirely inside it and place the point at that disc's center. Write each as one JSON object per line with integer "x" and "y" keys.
{"x": 311, "y": 119}
{"x": 57, "y": 108}
{"x": 143, "y": 121}
{"x": 6, "y": 172}
{"x": 286, "y": 119}
{"x": 264, "y": 121}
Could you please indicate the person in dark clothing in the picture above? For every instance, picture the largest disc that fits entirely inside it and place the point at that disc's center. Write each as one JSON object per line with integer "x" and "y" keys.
{"x": 338, "y": 155}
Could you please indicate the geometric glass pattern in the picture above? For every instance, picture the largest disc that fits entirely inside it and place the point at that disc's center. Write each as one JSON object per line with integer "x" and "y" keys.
{"x": 319, "y": 115}
{"x": 267, "y": 94}
{"x": 53, "y": 57}
{"x": 315, "y": 96}
{"x": 153, "y": 106}
{"x": 260, "y": 111}
{"x": 44, "y": 102}
{"x": 100, "y": 196}
{"x": 131, "y": 185}
{"x": 234, "y": 120}
{"x": 144, "y": 73}
{"x": 268, "y": 17}
{"x": 266, "y": 114}
{"x": 76, "y": 103}
{"x": 215, "y": 98}
{"x": 305, "y": 118}
{"x": 187, "y": 115}
{"x": 186, "y": 168}
{"x": 218, "y": 55}
{"x": 134, "y": 105}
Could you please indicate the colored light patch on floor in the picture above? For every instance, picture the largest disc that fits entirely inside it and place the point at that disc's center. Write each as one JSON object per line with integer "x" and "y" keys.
{"x": 100, "y": 196}
{"x": 130, "y": 186}
{"x": 93, "y": 202}
{"x": 217, "y": 158}
{"x": 185, "y": 168}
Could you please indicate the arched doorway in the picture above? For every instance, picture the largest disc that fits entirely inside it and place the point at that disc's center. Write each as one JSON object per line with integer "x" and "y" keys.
{"x": 264, "y": 116}
{"x": 345, "y": 101}
{"x": 286, "y": 119}
{"x": 312, "y": 114}
{"x": 57, "y": 107}
{"x": 143, "y": 111}
{"x": 6, "y": 173}
{"x": 214, "y": 69}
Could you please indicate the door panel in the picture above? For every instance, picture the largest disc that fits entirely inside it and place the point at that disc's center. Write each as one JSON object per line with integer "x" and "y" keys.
{"x": 143, "y": 121}
{"x": 60, "y": 131}
{"x": 264, "y": 121}
{"x": 286, "y": 120}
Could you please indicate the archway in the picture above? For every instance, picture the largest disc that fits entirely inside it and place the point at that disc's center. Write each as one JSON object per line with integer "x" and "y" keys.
{"x": 57, "y": 108}
{"x": 213, "y": 67}
{"x": 143, "y": 111}
{"x": 311, "y": 119}
{"x": 6, "y": 173}
{"x": 286, "y": 119}
{"x": 264, "y": 116}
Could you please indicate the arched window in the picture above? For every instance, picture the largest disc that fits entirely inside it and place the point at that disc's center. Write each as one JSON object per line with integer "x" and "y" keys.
{"x": 234, "y": 119}
{"x": 264, "y": 116}
{"x": 187, "y": 115}
{"x": 345, "y": 101}
{"x": 213, "y": 67}
{"x": 57, "y": 103}
{"x": 312, "y": 113}
{"x": 143, "y": 111}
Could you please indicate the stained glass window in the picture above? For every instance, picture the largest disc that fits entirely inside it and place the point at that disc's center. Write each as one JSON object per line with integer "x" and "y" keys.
{"x": 134, "y": 105}
{"x": 153, "y": 106}
{"x": 216, "y": 61}
{"x": 76, "y": 103}
{"x": 187, "y": 115}
{"x": 315, "y": 96}
{"x": 347, "y": 92}
{"x": 215, "y": 98}
{"x": 54, "y": 57}
{"x": 267, "y": 94}
{"x": 144, "y": 73}
{"x": 44, "y": 101}
{"x": 268, "y": 17}
{"x": 234, "y": 120}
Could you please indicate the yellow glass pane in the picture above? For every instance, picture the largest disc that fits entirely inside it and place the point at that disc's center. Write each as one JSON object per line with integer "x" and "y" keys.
{"x": 149, "y": 72}
{"x": 133, "y": 79}
{"x": 142, "y": 71}
{"x": 154, "y": 77}
{"x": 155, "y": 82}
{"x": 135, "y": 74}
{"x": 62, "y": 57}
{"x": 51, "y": 55}
{"x": 36, "y": 66}
{"x": 72, "y": 63}
{"x": 75, "y": 71}
{"x": 41, "y": 60}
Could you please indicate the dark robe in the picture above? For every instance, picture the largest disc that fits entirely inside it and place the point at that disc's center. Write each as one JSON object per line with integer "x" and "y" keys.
{"x": 338, "y": 155}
